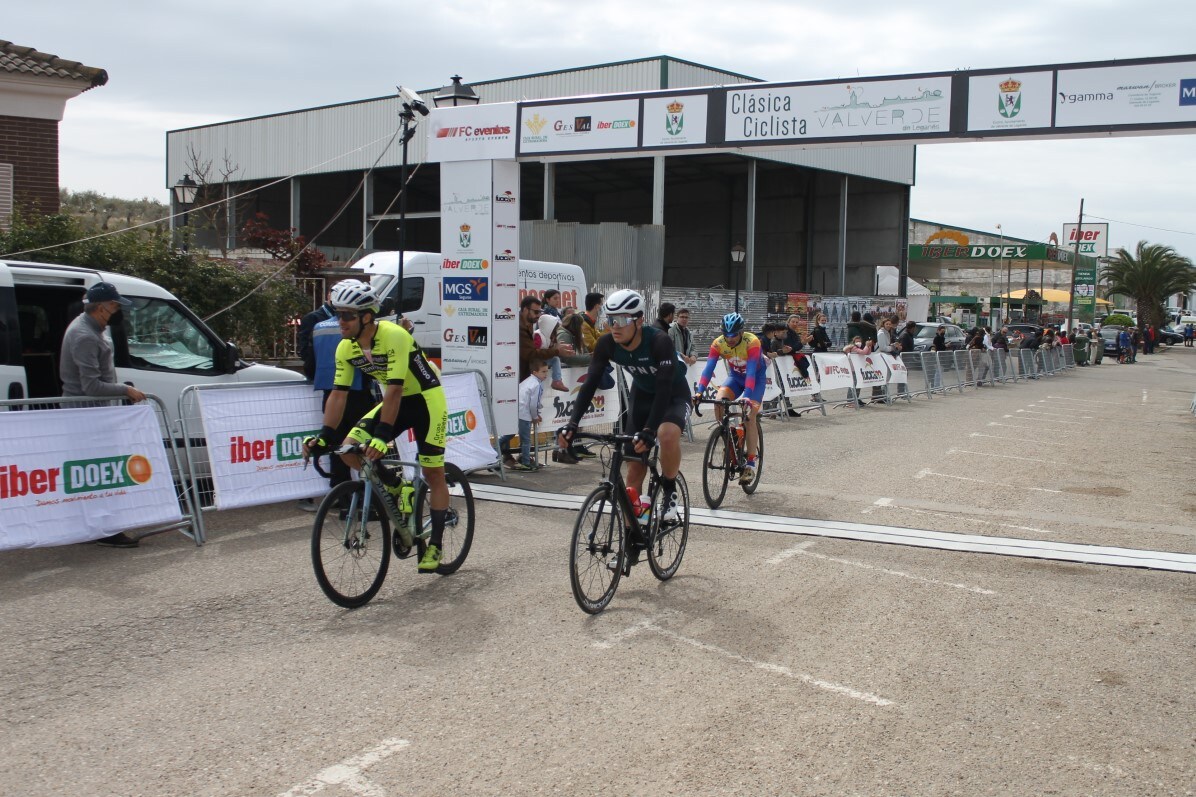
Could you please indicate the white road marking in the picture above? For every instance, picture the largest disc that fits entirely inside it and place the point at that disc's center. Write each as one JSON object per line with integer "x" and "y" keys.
{"x": 899, "y": 573}
{"x": 1087, "y": 401}
{"x": 927, "y": 472}
{"x": 1011, "y": 439}
{"x": 970, "y": 518}
{"x": 1047, "y": 420}
{"x": 876, "y": 503}
{"x": 349, "y": 774}
{"x": 1143, "y": 396}
{"x": 1061, "y": 415}
{"x": 1034, "y": 429}
{"x": 630, "y": 631}
{"x": 1003, "y": 456}
{"x": 38, "y": 575}
{"x": 791, "y": 552}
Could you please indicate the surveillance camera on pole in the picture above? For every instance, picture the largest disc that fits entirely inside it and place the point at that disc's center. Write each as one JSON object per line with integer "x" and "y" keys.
{"x": 412, "y": 102}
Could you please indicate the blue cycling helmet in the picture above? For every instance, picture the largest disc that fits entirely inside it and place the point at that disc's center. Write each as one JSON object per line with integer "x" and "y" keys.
{"x": 732, "y": 324}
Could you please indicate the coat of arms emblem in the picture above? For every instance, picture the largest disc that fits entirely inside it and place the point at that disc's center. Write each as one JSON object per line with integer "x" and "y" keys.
{"x": 1010, "y": 102}
{"x": 674, "y": 120}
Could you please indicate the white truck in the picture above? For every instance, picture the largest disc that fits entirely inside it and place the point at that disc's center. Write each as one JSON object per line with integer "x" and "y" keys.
{"x": 421, "y": 287}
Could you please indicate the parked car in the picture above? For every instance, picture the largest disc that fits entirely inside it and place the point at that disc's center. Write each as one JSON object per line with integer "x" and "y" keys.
{"x": 1028, "y": 330}
{"x": 927, "y": 329}
{"x": 1171, "y": 336}
{"x": 1108, "y": 336}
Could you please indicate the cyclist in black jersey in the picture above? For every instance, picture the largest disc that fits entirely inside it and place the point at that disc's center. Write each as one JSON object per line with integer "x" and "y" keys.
{"x": 412, "y": 399}
{"x": 660, "y": 400}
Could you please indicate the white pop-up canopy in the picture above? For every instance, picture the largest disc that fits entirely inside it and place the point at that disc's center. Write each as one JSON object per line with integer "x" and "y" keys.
{"x": 887, "y": 282}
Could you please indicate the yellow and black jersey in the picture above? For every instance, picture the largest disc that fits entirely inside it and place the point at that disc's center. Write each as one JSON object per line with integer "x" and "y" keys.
{"x": 395, "y": 359}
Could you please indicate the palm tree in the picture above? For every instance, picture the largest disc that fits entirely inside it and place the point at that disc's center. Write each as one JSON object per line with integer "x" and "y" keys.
{"x": 1149, "y": 276}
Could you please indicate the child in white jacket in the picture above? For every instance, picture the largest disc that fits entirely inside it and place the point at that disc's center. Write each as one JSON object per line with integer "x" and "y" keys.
{"x": 531, "y": 394}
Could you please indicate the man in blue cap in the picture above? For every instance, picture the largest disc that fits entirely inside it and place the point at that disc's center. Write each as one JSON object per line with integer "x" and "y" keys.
{"x": 85, "y": 364}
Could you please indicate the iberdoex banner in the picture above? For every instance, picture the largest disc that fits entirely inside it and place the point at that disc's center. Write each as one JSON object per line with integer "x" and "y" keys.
{"x": 255, "y": 443}
{"x": 468, "y": 436}
{"x": 85, "y": 474}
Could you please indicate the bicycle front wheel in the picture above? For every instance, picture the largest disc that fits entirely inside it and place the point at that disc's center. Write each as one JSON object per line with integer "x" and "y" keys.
{"x": 669, "y": 536}
{"x": 458, "y": 520}
{"x": 716, "y": 468}
{"x": 350, "y": 547}
{"x": 598, "y": 554}
{"x": 755, "y": 482}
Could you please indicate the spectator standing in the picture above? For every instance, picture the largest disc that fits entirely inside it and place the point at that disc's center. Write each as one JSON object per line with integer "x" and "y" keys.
{"x": 590, "y": 330}
{"x": 1189, "y": 335}
{"x": 664, "y": 316}
{"x": 939, "y": 342}
{"x": 795, "y": 341}
{"x": 86, "y": 367}
{"x": 548, "y": 325}
{"x": 571, "y": 335}
{"x": 861, "y": 326}
{"x": 551, "y": 303}
{"x": 820, "y": 341}
{"x": 531, "y": 396}
{"x": 1096, "y": 347}
{"x": 529, "y": 314}
{"x": 306, "y": 325}
{"x": 884, "y": 345}
{"x": 683, "y": 339}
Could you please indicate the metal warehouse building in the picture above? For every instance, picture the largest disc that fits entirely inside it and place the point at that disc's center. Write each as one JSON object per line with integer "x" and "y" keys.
{"x": 671, "y": 219}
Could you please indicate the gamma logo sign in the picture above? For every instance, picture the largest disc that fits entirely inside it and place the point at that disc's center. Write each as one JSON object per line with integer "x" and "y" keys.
{"x": 77, "y": 476}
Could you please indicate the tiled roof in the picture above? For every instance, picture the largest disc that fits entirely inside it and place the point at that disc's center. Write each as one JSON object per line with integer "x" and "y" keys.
{"x": 28, "y": 61}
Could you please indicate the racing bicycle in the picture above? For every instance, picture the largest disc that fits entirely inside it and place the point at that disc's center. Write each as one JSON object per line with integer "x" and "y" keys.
{"x": 726, "y": 451}
{"x": 358, "y": 525}
{"x": 610, "y": 532}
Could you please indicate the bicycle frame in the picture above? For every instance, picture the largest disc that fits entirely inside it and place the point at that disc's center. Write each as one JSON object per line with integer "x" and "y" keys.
{"x": 403, "y": 525}
{"x": 734, "y": 415}
{"x": 613, "y": 477}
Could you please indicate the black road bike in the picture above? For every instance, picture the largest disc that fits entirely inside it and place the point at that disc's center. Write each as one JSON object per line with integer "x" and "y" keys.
{"x": 726, "y": 451}
{"x": 358, "y": 525}
{"x": 609, "y": 532}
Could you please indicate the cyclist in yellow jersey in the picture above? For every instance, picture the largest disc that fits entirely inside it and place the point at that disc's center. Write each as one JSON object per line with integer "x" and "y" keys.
{"x": 747, "y": 377}
{"x": 388, "y": 353}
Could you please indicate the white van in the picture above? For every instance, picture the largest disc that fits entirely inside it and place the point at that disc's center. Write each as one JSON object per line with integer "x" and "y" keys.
{"x": 160, "y": 348}
{"x": 421, "y": 287}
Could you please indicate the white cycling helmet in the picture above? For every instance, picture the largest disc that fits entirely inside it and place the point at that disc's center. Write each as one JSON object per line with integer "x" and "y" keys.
{"x": 624, "y": 302}
{"x": 354, "y": 295}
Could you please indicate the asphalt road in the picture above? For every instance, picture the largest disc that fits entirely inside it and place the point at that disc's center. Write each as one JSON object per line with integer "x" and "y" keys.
{"x": 771, "y": 664}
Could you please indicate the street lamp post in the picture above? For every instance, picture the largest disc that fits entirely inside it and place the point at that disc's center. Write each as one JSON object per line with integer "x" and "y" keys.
{"x": 184, "y": 197}
{"x": 738, "y": 253}
{"x": 1008, "y": 275}
{"x": 455, "y": 94}
{"x": 411, "y": 105}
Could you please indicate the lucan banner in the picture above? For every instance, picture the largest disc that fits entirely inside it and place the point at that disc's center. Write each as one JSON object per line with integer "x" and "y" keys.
{"x": 87, "y": 474}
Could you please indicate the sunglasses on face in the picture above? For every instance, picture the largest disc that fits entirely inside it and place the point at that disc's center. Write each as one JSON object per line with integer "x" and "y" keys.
{"x": 620, "y": 321}
{"x": 348, "y": 315}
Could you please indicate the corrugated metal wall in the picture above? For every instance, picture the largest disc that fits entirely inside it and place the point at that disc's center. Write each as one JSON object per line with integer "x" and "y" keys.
{"x": 613, "y": 255}
{"x": 684, "y": 75}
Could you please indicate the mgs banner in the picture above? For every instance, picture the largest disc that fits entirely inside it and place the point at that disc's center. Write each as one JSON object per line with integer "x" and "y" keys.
{"x": 255, "y": 443}
{"x": 86, "y": 474}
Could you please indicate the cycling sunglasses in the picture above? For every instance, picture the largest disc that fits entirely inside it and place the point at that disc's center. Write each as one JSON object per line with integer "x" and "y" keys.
{"x": 620, "y": 321}
{"x": 348, "y": 315}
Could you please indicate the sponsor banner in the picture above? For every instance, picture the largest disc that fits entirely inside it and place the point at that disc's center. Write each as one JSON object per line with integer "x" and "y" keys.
{"x": 834, "y": 371}
{"x": 87, "y": 474}
{"x": 558, "y": 405}
{"x": 1010, "y": 101}
{"x": 472, "y": 132}
{"x": 675, "y": 121}
{"x": 981, "y": 252}
{"x": 504, "y": 332}
{"x": 1126, "y": 95}
{"x": 255, "y": 443}
{"x": 898, "y": 373}
{"x": 869, "y": 370}
{"x": 579, "y": 126}
{"x": 772, "y": 387}
{"x": 1093, "y": 239}
{"x": 792, "y": 381}
{"x": 468, "y": 435}
{"x": 860, "y": 109}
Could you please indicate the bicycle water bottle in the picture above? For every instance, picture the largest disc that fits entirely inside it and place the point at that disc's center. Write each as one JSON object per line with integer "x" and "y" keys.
{"x": 406, "y": 496}
{"x": 739, "y": 435}
{"x": 633, "y": 495}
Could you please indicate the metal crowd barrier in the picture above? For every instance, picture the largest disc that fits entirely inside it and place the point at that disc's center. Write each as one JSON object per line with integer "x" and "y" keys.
{"x": 190, "y": 525}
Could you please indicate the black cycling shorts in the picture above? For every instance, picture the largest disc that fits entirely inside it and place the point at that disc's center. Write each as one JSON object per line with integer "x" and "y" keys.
{"x": 641, "y": 406}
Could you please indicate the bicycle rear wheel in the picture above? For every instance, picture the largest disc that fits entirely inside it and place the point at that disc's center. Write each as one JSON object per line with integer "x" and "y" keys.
{"x": 755, "y": 482}
{"x": 716, "y": 468}
{"x": 350, "y": 554}
{"x": 669, "y": 537}
{"x": 598, "y": 554}
{"x": 458, "y": 521}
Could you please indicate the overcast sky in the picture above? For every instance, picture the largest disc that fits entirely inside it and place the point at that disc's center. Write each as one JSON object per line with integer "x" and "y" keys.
{"x": 174, "y": 65}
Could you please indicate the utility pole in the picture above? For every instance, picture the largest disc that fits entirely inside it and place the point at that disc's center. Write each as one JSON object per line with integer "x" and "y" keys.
{"x": 1071, "y": 299}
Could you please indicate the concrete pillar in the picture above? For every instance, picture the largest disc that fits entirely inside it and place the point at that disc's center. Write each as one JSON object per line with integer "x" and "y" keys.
{"x": 658, "y": 189}
{"x": 549, "y": 191}
{"x": 749, "y": 262}
{"x": 367, "y": 203}
{"x": 843, "y": 235}
{"x": 295, "y": 204}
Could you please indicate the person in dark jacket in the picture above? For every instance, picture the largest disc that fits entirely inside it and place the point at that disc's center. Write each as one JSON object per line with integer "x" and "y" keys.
{"x": 820, "y": 340}
{"x": 664, "y": 316}
{"x": 306, "y": 325}
{"x": 939, "y": 343}
{"x": 906, "y": 340}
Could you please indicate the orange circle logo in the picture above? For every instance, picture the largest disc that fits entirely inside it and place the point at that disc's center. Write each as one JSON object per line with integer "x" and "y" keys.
{"x": 471, "y": 420}
{"x": 139, "y": 469}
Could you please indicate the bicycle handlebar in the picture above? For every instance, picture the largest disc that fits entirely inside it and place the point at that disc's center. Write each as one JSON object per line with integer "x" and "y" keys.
{"x": 738, "y": 403}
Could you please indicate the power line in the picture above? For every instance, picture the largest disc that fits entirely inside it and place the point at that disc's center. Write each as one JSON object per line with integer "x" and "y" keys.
{"x": 1144, "y": 226}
